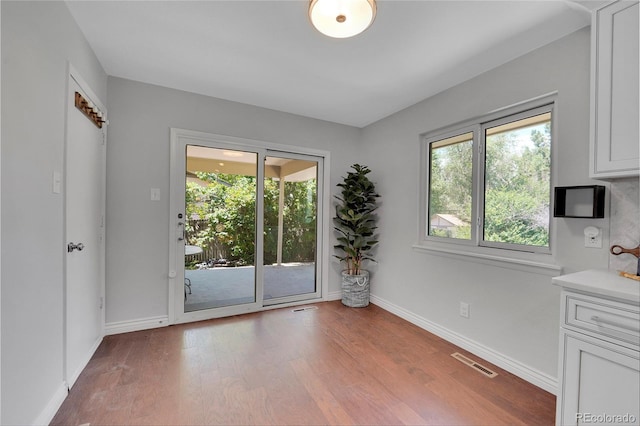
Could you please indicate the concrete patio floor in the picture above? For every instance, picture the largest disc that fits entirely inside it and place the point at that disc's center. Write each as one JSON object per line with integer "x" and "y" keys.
{"x": 217, "y": 287}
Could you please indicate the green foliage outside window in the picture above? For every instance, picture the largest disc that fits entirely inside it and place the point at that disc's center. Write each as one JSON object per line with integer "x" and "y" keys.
{"x": 222, "y": 215}
{"x": 450, "y": 190}
{"x": 517, "y": 173}
{"x": 517, "y": 186}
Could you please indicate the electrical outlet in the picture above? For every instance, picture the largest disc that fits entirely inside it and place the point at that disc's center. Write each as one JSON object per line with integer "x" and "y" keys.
{"x": 464, "y": 309}
{"x": 593, "y": 242}
{"x": 592, "y": 237}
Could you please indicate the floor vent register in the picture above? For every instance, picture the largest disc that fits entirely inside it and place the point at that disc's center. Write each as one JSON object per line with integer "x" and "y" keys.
{"x": 471, "y": 363}
{"x": 305, "y": 308}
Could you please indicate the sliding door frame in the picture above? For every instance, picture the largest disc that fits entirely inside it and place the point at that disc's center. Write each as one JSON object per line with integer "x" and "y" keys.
{"x": 319, "y": 262}
{"x": 180, "y": 138}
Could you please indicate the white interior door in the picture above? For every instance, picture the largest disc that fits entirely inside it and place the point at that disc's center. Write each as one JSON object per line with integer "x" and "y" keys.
{"x": 84, "y": 228}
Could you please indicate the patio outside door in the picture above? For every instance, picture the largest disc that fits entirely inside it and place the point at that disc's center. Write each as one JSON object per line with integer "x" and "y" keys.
{"x": 245, "y": 227}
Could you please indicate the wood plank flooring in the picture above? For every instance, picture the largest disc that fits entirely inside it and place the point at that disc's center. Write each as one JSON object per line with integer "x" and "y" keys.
{"x": 331, "y": 365}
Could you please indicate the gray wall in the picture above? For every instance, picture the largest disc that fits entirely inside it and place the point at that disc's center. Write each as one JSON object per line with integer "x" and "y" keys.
{"x": 513, "y": 313}
{"x": 140, "y": 117}
{"x": 38, "y": 38}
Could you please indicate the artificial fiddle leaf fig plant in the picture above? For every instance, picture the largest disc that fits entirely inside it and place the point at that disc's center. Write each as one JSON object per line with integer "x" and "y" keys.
{"x": 355, "y": 225}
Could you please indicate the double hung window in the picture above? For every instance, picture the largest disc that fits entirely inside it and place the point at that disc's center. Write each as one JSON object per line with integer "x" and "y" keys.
{"x": 488, "y": 182}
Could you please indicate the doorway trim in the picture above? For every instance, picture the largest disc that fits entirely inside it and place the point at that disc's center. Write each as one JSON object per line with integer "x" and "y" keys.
{"x": 179, "y": 136}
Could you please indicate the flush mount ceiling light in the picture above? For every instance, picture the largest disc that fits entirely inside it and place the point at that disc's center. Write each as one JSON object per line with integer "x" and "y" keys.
{"x": 342, "y": 18}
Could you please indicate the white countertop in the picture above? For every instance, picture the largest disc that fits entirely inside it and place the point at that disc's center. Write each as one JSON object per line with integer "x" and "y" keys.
{"x": 602, "y": 282}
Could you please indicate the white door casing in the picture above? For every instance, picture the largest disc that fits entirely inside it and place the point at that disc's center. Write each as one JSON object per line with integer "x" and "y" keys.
{"x": 84, "y": 224}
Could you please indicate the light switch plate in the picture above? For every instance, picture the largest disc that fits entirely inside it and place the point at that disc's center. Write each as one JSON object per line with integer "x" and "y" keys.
{"x": 155, "y": 194}
{"x": 57, "y": 182}
{"x": 464, "y": 310}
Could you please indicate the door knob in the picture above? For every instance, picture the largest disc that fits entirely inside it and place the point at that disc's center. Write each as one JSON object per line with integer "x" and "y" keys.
{"x": 71, "y": 247}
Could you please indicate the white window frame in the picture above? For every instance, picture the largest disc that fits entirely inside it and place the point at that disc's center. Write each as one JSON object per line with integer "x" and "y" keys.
{"x": 437, "y": 137}
{"x": 522, "y": 257}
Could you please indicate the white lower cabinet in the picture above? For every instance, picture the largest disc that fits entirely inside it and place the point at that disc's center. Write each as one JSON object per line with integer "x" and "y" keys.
{"x": 600, "y": 383}
{"x": 599, "y": 359}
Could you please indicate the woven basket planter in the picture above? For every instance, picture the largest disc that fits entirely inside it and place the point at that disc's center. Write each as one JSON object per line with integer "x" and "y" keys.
{"x": 355, "y": 289}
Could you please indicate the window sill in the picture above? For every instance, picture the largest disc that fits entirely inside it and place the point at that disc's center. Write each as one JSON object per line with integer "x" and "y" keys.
{"x": 537, "y": 266}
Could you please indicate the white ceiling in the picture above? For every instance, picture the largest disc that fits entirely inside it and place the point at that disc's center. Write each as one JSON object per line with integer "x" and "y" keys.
{"x": 266, "y": 53}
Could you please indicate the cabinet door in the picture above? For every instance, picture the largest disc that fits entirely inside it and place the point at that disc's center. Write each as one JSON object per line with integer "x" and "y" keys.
{"x": 615, "y": 146}
{"x": 600, "y": 379}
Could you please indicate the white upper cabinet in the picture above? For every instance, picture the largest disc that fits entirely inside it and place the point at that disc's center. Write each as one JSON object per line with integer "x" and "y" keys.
{"x": 615, "y": 142}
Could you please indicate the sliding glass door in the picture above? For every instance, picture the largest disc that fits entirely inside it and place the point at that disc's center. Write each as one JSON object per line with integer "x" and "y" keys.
{"x": 219, "y": 228}
{"x": 290, "y": 228}
{"x": 245, "y": 228}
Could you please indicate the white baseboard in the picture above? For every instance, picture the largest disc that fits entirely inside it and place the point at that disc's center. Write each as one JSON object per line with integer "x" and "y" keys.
{"x": 54, "y": 404}
{"x": 72, "y": 379}
{"x": 119, "y": 327}
{"x": 334, "y": 295}
{"x": 525, "y": 372}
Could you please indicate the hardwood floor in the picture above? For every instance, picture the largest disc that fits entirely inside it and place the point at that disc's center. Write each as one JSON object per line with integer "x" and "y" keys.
{"x": 331, "y": 365}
